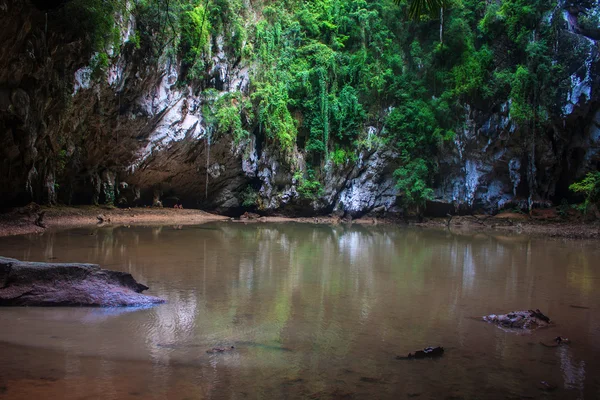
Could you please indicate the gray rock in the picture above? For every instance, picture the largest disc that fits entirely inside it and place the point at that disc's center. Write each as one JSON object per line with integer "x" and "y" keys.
{"x": 528, "y": 319}
{"x": 54, "y": 284}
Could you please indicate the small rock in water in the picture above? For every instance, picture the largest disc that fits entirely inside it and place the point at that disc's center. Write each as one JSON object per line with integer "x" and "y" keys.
{"x": 546, "y": 386}
{"x": 519, "y": 319}
{"x": 220, "y": 349}
{"x": 427, "y": 352}
{"x": 557, "y": 341}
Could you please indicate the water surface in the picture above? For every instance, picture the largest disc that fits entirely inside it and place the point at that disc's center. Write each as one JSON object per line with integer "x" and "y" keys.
{"x": 313, "y": 312}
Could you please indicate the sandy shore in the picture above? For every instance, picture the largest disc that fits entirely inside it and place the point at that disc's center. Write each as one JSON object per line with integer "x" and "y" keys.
{"x": 22, "y": 221}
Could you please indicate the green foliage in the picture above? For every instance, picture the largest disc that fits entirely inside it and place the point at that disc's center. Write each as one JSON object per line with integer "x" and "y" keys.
{"x": 99, "y": 65}
{"x": 347, "y": 114}
{"x": 521, "y": 17}
{"x": 135, "y": 39}
{"x": 225, "y": 113}
{"x": 94, "y": 20}
{"x": 109, "y": 194}
{"x": 341, "y": 157}
{"x": 589, "y": 187}
{"x": 229, "y": 17}
{"x": 412, "y": 183}
{"x": 308, "y": 187}
{"x": 417, "y": 8}
{"x": 194, "y": 36}
{"x": 249, "y": 197}
{"x": 588, "y": 21}
{"x": 521, "y": 109}
{"x": 229, "y": 121}
{"x": 328, "y": 77}
{"x": 158, "y": 27}
{"x": 274, "y": 115}
{"x": 563, "y": 209}
{"x": 304, "y": 59}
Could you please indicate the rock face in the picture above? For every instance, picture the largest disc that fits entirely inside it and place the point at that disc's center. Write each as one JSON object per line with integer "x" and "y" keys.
{"x": 493, "y": 165}
{"x": 50, "y": 284}
{"x": 137, "y": 135}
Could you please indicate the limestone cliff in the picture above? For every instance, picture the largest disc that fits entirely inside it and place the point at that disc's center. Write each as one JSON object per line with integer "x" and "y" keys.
{"x": 136, "y": 134}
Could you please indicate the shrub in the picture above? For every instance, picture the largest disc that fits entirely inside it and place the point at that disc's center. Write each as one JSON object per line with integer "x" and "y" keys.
{"x": 249, "y": 197}
{"x": 590, "y": 187}
{"x": 308, "y": 188}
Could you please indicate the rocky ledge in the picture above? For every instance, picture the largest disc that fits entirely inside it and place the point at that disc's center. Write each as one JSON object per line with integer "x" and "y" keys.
{"x": 53, "y": 284}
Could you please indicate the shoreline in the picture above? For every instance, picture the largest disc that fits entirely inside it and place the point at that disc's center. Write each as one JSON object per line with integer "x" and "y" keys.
{"x": 22, "y": 221}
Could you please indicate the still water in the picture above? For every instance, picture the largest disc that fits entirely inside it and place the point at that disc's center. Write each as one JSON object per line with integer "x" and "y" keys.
{"x": 314, "y": 312}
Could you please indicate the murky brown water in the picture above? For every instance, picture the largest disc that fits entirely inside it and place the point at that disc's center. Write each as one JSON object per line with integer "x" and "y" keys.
{"x": 314, "y": 312}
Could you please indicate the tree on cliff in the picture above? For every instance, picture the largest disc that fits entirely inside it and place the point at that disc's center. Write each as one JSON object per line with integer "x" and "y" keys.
{"x": 590, "y": 188}
{"x": 417, "y": 8}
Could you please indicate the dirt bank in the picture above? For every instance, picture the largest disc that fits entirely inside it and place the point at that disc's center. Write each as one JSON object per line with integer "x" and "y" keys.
{"x": 535, "y": 225}
{"x": 23, "y": 220}
{"x": 546, "y": 223}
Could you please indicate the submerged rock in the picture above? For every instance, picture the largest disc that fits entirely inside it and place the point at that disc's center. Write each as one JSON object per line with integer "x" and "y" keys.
{"x": 557, "y": 341}
{"x": 54, "y": 284}
{"x": 220, "y": 349}
{"x": 519, "y": 320}
{"x": 427, "y": 352}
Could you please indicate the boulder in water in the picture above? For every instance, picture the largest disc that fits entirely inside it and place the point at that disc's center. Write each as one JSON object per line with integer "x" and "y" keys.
{"x": 519, "y": 319}
{"x": 56, "y": 284}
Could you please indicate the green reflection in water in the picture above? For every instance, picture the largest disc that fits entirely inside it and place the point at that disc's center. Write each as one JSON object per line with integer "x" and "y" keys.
{"x": 321, "y": 309}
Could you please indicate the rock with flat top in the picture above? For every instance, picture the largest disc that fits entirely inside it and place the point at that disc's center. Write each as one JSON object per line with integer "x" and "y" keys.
{"x": 55, "y": 284}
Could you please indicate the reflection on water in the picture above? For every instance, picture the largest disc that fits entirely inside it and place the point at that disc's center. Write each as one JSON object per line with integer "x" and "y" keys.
{"x": 313, "y": 311}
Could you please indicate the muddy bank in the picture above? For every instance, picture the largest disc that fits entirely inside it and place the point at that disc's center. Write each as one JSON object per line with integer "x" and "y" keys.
{"x": 25, "y": 220}
{"x": 544, "y": 223}
{"x": 535, "y": 225}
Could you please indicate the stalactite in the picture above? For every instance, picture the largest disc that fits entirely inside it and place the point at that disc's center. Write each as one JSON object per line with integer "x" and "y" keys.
{"x": 207, "y": 162}
{"x": 442, "y": 25}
